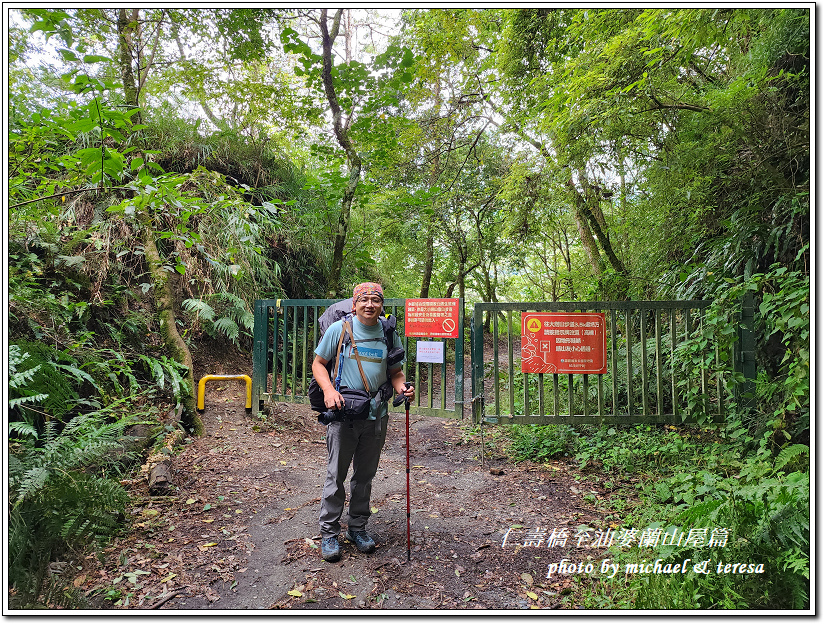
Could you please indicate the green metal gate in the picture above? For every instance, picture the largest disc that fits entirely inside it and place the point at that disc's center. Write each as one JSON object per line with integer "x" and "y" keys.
{"x": 645, "y": 381}
{"x": 643, "y": 384}
{"x": 285, "y": 337}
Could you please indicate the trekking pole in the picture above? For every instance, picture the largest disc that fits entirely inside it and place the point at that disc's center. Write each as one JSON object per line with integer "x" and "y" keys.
{"x": 402, "y": 398}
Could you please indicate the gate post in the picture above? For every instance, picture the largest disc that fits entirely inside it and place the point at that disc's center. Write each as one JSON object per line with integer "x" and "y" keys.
{"x": 745, "y": 353}
{"x": 259, "y": 352}
{"x": 459, "y": 362}
{"x": 477, "y": 356}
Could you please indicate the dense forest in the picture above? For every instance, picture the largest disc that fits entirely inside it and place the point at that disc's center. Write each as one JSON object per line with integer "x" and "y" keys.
{"x": 167, "y": 167}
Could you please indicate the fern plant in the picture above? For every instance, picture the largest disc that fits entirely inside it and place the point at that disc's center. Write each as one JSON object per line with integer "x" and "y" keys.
{"x": 19, "y": 381}
{"x": 165, "y": 369}
{"x": 766, "y": 510}
{"x": 60, "y": 496}
{"x": 226, "y": 315}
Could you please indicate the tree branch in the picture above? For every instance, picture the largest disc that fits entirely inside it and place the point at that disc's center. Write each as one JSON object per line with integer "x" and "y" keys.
{"x": 206, "y": 108}
{"x": 660, "y": 106}
{"x": 143, "y": 72}
{"x": 72, "y": 192}
{"x": 468, "y": 152}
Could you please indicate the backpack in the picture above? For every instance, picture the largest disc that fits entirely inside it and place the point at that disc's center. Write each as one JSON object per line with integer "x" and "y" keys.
{"x": 336, "y": 312}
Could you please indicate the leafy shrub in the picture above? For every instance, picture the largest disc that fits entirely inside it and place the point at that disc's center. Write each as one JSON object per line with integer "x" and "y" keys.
{"x": 60, "y": 460}
{"x": 21, "y": 373}
{"x": 782, "y": 329}
{"x": 541, "y": 442}
{"x": 762, "y": 501}
{"x": 629, "y": 449}
{"x": 766, "y": 512}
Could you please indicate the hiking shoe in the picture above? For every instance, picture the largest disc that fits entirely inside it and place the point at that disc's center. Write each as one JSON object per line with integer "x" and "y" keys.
{"x": 330, "y": 549}
{"x": 362, "y": 540}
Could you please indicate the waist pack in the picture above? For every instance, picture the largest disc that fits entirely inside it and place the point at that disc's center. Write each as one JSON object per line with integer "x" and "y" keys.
{"x": 356, "y": 406}
{"x": 356, "y": 402}
{"x": 352, "y": 399}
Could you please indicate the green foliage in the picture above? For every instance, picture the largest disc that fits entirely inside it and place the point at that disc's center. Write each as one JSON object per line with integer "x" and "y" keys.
{"x": 637, "y": 449}
{"x": 231, "y": 316}
{"x": 782, "y": 331}
{"x": 58, "y": 496}
{"x": 698, "y": 480}
{"x": 766, "y": 511}
{"x": 20, "y": 380}
{"x": 791, "y": 454}
{"x": 615, "y": 450}
{"x": 39, "y": 378}
{"x": 707, "y": 354}
{"x": 784, "y": 315}
{"x": 45, "y": 383}
{"x": 686, "y": 129}
{"x": 541, "y": 442}
{"x": 688, "y": 107}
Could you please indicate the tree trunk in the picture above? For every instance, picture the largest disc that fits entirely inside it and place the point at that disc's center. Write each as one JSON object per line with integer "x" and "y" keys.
{"x": 488, "y": 284}
{"x": 335, "y": 287}
{"x": 587, "y": 240}
{"x": 429, "y": 260}
{"x": 160, "y": 477}
{"x": 463, "y": 271}
{"x": 624, "y": 234}
{"x": 126, "y": 28}
{"x": 458, "y": 279}
{"x": 568, "y": 262}
{"x": 584, "y": 216}
{"x": 164, "y": 305}
{"x": 342, "y": 135}
{"x": 586, "y": 213}
{"x": 434, "y": 174}
{"x": 554, "y": 277}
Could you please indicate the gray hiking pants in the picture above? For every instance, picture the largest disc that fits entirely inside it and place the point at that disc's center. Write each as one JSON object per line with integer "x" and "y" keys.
{"x": 358, "y": 443}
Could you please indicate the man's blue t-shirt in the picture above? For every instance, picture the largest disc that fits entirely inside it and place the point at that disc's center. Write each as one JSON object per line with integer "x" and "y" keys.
{"x": 372, "y": 351}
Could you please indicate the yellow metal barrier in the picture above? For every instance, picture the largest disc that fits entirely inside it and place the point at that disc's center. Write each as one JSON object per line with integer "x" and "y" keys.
{"x": 201, "y": 388}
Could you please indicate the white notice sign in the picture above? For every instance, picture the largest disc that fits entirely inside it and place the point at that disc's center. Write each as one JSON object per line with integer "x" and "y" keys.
{"x": 430, "y": 351}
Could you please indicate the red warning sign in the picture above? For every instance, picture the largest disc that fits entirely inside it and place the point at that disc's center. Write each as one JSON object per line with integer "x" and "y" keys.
{"x": 433, "y": 318}
{"x": 554, "y": 342}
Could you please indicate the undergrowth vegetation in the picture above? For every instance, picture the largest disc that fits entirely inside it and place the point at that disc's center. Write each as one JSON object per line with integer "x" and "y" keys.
{"x": 62, "y": 494}
{"x": 738, "y": 492}
{"x": 69, "y": 443}
{"x": 86, "y": 358}
{"x": 700, "y": 482}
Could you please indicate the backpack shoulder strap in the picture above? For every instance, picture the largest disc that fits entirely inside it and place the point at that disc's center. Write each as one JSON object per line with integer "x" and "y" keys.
{"x": 348, "y": 329}
{"x": 347, "y": 337}
{"x": 332, "y": 366}
{"x": 340, "y": 344}
{"x": 389, "y": 323}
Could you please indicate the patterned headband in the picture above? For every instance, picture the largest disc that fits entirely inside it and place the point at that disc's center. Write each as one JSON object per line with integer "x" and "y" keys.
{"x": 367, "y": 288}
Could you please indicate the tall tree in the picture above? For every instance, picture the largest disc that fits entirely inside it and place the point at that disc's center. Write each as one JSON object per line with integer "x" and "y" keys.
{"x": 359, "y": 95}
{"x": 127, "y": 32}
{"x": 341, "y": 128}
{"x": 654, "y": 87}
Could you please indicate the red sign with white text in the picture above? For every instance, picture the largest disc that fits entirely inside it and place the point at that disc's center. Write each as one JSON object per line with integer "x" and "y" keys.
{"x": 433, "y": 318}
{"x": 554, "y": 342}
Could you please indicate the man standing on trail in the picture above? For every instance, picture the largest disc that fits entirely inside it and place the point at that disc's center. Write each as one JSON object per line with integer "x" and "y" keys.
{"x": 357, "y": 442}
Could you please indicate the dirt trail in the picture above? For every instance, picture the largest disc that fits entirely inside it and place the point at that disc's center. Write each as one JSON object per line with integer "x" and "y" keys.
{"x": 242, "y": 533}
